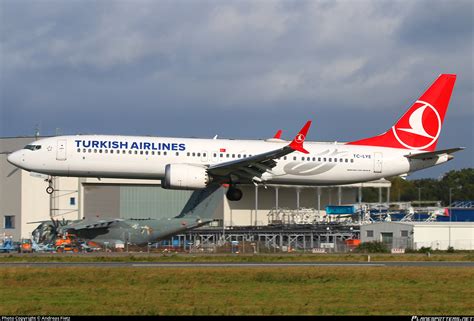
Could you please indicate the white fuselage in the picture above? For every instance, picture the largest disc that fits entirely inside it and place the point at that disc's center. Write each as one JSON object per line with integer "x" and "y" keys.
{"x": 146, "y": 157}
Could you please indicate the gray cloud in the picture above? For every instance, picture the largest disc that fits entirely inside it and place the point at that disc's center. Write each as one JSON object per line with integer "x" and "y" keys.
{"x": 132, "y": 66}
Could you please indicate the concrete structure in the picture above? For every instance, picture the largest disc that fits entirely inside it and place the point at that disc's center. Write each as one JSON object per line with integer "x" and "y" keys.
{"x": 23, "y": 198}
{"x": 437, "y": 235}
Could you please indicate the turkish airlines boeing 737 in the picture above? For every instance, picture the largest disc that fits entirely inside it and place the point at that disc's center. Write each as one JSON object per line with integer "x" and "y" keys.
{"x": 189, "y": 163}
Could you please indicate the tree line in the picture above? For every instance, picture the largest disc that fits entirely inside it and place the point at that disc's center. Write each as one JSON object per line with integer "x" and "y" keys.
{"x": 458, "y": 183}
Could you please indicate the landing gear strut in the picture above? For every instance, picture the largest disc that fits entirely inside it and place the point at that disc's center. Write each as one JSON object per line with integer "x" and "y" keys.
{"x": 234, "y": 194}
{"x": 50, "y": 188}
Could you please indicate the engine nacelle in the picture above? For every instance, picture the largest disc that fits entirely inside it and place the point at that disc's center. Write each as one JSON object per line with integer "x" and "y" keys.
{"x": 185, "y": 176}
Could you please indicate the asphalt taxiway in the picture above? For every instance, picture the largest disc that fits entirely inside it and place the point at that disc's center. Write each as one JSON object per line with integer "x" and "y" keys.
{"x": 230, "y": 265}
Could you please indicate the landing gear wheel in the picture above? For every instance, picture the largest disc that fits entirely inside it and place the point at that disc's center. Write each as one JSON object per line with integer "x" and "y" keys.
{"x": 234, "y": 194}
{"x": 49, "y": 190}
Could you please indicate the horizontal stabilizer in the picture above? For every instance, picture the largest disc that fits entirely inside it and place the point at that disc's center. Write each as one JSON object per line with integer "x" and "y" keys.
{"x": 434, "y": 154}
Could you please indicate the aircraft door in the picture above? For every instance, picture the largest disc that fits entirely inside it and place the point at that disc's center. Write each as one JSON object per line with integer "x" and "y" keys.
{"x": 61, "y": 150}
{"x": 377, "y": 162}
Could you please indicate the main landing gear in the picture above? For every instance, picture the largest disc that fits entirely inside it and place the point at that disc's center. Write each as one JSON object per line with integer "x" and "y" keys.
{"x": 50, "y": 189}
{"x": 233, "y": 193}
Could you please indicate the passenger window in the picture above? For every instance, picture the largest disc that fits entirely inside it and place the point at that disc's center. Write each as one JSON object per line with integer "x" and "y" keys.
{"x": 238, "y": 156}
{"x": 95, "y": 150}
{"x": 319, "y": 159}
{"x": 136, "y": 152}
{"x": 146, "y": 152}
{"x": 84, "y": 150}
{"x": 245, "y": 156}
{"x": 204, "y": 154}
{"x": 227, "y": 155}
{"x": 177, "y": 153}
{"x": 164, "y": 153}
{"x": 158, "y": 153}
{"x": 347, "y": 160}
{"x": 284, "y": 158}
{"x": 233, "y": 155}
{"x": 294, "y": 158}
{"x": 100, "y": 151}
{"x": 335, "y": 160}
{"x": 222, "y": 155}
{"x": 129, "y": 151}
{"x": 194, "y": 154}
{"x": 111, "y": 151}
{"x": 78, "y": 150}
{"x": 324, "y": 159}
{"x": 141, "y": 152}
{"x": 187, "y": 154}
{"x": 352, "y": 160}
{"x": 198, "y": 154}
{"x": 153, "y": 152}
{"x": 215, "y": 155}
{"x": 314, "y": 159}
{"x": 340, "y": 160}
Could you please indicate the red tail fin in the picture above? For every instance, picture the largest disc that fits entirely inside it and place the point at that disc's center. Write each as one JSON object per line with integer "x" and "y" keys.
{"x": 278, "y": 134}
{"x": 297, "y": 143}
{"x": 420, "y": 126}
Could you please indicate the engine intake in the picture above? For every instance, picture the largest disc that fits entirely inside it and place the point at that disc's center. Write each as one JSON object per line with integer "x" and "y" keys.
{"x": 185, "y": 176}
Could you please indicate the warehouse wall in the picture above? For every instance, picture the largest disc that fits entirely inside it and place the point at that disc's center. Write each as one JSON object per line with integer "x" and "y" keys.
{"x": 459, "y": 235}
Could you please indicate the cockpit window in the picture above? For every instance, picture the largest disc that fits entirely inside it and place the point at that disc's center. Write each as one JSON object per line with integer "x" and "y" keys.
{"x": 33, "y": 147}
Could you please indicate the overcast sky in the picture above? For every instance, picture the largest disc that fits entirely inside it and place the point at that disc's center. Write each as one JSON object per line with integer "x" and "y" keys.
{"x": 239, "y": 69}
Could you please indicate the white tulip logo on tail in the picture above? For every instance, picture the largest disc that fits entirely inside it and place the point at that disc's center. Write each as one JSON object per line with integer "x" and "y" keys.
{"x": 299, "y": 138}
{"x": 420, "y": 129}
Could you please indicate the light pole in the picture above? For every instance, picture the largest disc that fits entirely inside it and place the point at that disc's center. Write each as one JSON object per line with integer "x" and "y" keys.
{"x": 449, "y": 206}
{"x": 419, "y": 200}
{"x": 419, "y": 196}
{"x": 450, "y": 212}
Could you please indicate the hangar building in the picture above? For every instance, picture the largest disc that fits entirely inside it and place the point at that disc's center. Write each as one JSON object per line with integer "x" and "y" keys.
{"x": 24, "y": 201}
{"x": 415, "y": 235}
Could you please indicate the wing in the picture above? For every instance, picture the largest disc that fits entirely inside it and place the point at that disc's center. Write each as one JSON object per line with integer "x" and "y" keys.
{"x": 252, "y": 168}
{"x": 92, "y": 224}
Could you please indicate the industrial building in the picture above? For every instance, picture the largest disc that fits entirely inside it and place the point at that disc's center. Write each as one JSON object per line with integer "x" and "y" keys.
{"x": 24, "y": 201}
{"x": 415, "y": 235}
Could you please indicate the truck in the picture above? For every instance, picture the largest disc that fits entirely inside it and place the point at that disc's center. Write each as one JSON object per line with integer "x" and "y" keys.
{"x": 8, "y": 246}
{"x": 26, "y": 246}
{"x": 68, "y": 243}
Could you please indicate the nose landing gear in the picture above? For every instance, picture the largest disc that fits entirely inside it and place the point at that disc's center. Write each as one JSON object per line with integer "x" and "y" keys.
{"x": 50, "y": 189}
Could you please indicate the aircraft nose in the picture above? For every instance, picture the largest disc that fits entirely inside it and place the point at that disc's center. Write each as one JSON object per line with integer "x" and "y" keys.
{"x": 14, "y": 158}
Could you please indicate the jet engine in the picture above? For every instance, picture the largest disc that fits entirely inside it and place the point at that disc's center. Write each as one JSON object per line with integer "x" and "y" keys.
{"x": 185, "y": 176}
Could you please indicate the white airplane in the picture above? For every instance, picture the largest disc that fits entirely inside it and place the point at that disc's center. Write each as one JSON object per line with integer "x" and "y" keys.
{"x": 193, "y": 164}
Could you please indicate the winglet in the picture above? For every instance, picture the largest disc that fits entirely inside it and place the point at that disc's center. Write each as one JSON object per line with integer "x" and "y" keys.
{"x": 278, "y": 134}
{"x": 297, "y": 143}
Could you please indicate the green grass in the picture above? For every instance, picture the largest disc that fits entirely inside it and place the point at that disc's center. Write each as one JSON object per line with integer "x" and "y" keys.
{"x": 184, "y": 257}
{"x": 237, "y": 291}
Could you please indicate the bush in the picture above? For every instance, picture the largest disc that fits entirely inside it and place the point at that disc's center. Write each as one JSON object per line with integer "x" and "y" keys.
{"x": 450, "y": 249}
{"x": 372, "y": 247}
{"x": 425, "y": 249}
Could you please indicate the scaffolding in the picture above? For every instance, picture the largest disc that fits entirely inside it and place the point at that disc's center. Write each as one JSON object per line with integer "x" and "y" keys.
{"x": 251, "y": 239}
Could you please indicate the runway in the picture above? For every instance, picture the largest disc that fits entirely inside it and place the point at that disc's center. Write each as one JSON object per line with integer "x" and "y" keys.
{"x": 231, "y": 265}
